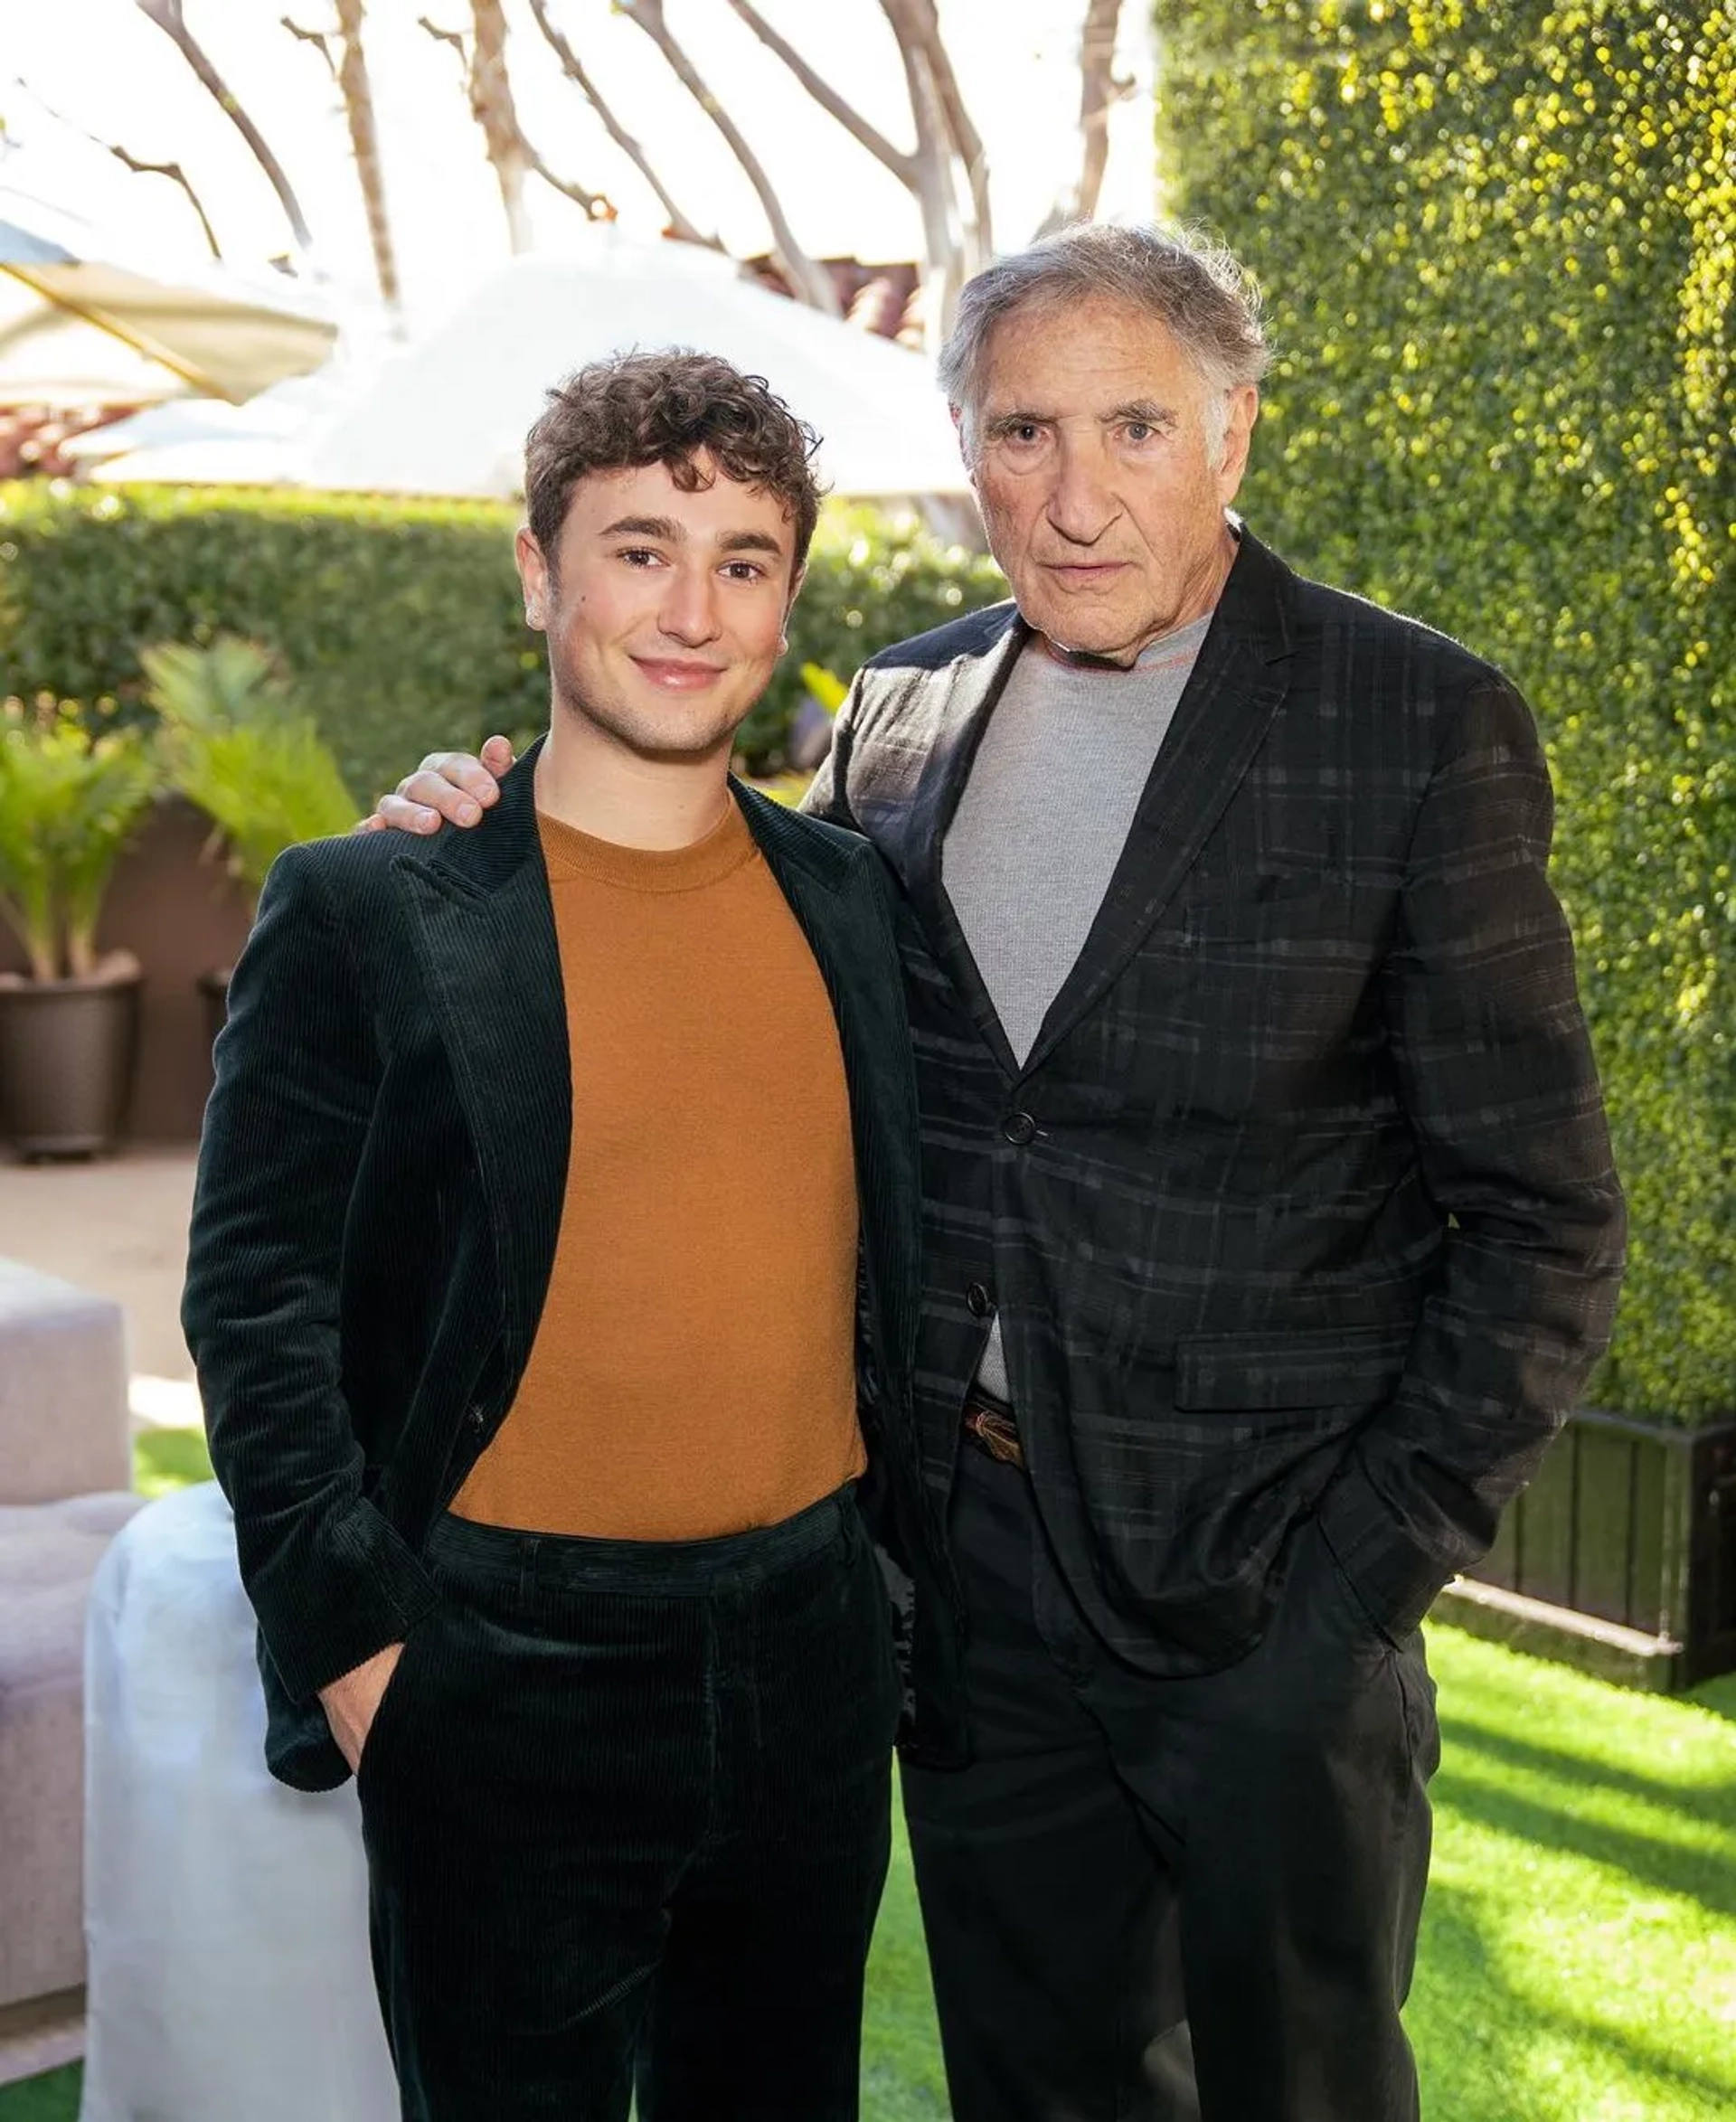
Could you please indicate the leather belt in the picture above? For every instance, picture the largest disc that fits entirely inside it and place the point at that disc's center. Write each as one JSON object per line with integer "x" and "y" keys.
{"x": 988, "y": 1424}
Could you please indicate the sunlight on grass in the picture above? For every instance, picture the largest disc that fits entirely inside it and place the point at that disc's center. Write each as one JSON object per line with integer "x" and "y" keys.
{"x": 1579, "y": 1951}
{"x": 1578, "y": 1955}
{"x": 163, "y": 1459}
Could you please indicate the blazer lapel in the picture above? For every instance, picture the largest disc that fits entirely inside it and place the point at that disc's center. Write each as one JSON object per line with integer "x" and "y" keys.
{"x": 947, "y": 720}
{"x": 1223, "y": 713}
{"x": 483, "y": 925}
{"x": 834, "y": 901}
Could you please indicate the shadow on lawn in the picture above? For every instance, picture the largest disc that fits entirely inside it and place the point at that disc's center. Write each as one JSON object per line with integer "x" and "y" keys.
{"x": 1477, "y": 2036}
{"x": 1716, "y": 1697}
{"x": 1712, "y": 1797}
{"x": 1694, "y": 1874}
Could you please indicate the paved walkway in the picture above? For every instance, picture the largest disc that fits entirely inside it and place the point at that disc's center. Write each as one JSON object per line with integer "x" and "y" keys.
{"x": 120, "y": 1227}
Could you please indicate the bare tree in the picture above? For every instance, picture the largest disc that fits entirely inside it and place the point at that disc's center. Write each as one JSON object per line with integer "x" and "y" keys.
{"x": 811, "y": 281}
{"x": 491, "y": 100}
{"x": 349, "y": 71}
{"x": 139, "y": 167}
{"x": 510, "y": 155}
{"x": 679, "y": 224}
{"x": 946, "y": 171}
{"x": 169, "y": 18}
{"x": 1100, "y": 90}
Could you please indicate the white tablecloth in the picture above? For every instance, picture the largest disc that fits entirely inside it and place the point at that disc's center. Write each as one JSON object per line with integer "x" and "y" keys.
{"x": 226, "y": 1915}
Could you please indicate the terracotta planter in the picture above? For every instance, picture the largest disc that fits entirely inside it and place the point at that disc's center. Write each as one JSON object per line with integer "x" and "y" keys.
{"x": 67, "y": 1054}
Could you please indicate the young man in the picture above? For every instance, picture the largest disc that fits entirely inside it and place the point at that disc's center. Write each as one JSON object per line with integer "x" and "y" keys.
{"x": 538, "y": 1393}
{"x": 1270, "y": 1225}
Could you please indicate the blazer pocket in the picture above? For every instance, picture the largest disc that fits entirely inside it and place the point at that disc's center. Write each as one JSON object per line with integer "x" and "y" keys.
{"x": 1315, "y": 1368}
{"x": 1276, "y": 903}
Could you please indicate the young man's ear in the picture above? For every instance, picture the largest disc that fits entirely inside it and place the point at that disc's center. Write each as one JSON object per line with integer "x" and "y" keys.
{"x": 534, "y": 578}
{"x": 795, "y": 591}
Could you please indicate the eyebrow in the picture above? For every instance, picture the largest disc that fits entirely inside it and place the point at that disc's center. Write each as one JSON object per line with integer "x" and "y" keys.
{"x": 1138, "y": 408}
{"x": 671, "y": 532}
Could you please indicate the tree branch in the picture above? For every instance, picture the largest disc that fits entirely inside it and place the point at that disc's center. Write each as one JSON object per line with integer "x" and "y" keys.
{"x": 902, "y": 166}
{"x": 811, "y": 281}
{"x": 172, "y": 170}
{"x": 491, "y": 102}
{"x": 352, "y": 73}
{"x": 168, "y": 17}
{"x": 916, "y": 23}
{"x": 1098, "y": 91}
{"x": 679, "y": 224}
{"x": 598, "y": 205}
{"x": 175, "y": 175}
{"x": 320, "y": 41}
{"x": 453, "y": 37}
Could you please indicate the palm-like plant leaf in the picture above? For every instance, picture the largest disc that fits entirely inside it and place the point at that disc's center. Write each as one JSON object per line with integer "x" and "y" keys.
{"x": 234, "y": 743}
{"x": 69, "y": 804}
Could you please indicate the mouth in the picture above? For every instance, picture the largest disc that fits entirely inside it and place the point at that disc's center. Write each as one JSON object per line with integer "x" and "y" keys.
{"x": 1092, "y": 574}
{"x": 677, "y": 675}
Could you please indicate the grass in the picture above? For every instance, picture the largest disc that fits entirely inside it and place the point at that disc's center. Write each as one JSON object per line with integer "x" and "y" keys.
{"x": 1579, "y": 1951}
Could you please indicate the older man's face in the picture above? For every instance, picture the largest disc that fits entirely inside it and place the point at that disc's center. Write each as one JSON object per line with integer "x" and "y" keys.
{"x": 1097, "y": 462}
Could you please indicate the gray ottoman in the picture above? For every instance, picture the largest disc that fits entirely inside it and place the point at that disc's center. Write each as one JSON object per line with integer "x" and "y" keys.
{"x": 49, "y": 1552}
{"x": 65, "y": 1466}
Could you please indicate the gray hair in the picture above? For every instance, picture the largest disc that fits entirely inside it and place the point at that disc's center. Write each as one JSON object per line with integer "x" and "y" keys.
{"x": 1191, "y": 285}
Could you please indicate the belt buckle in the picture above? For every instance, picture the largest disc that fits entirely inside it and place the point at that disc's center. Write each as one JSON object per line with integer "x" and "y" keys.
{"x": 996, "y": 1433}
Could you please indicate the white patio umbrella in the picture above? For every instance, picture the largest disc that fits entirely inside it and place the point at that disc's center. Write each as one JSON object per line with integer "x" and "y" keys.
{"x": 450, "y": 414}
{"x": 86, "y": 321}
{"x": 206, "y": 441}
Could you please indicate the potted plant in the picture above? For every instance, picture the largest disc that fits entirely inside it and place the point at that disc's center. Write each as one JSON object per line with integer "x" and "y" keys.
{"x": 232, "y": 741}
{"x": 70, "y": 802}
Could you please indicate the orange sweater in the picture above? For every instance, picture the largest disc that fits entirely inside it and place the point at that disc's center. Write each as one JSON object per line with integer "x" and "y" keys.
{"x": 694, "y": 1370}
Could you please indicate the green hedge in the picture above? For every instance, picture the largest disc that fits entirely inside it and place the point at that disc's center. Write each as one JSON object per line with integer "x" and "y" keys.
{"x": 400, "y": 622}
{"x": 1499, "y": 244}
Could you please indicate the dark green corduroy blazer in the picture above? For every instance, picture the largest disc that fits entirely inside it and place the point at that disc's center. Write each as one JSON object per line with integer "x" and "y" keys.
{"x": 379, "y": 1186}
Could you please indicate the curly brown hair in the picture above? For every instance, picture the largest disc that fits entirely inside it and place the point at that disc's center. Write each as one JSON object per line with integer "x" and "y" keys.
{"x": 667, "y": 408}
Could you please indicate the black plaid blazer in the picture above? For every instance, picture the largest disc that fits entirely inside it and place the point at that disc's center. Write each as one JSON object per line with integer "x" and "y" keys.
{"x": 1302, "y": 1202}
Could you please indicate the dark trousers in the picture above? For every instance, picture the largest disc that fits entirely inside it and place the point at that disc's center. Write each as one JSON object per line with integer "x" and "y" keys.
{"x": 628, "y": 1804}
{"x": 1247, "y": 1848}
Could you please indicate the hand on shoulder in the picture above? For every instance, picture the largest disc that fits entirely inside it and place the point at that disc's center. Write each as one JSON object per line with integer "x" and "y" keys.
{"x": 449, "y": 787}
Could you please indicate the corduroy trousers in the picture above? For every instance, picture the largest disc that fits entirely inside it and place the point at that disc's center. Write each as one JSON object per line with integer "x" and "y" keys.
{"x": 625, "y": 1808}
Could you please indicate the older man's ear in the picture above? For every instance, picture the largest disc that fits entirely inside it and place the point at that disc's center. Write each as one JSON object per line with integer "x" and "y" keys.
{"x": 449, "y": 787}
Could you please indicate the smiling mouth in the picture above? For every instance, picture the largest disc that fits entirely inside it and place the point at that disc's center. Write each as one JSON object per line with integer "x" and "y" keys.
{"x": 675, "y": 677}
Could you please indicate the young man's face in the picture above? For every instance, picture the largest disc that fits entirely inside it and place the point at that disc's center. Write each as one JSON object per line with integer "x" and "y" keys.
{"x": 665, "y": 611}
{"x": 1098, "y": 464}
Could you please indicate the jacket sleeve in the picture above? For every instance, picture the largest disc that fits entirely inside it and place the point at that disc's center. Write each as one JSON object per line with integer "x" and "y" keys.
{"x": 298, "y": 1074}
{"x": 1500, "y": 1090}
{"x": 827, "y": 795}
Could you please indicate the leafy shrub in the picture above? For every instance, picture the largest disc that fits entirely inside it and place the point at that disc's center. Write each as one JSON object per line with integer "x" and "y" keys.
{"x": 400, "y": 623}
{"x": 71, "y": 799}
{"x": 1499, "y": 244}
{"x": 231, "y": 739}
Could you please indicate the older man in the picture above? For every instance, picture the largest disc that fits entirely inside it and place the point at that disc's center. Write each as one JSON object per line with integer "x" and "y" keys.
{"x": 1270, "y": 1224}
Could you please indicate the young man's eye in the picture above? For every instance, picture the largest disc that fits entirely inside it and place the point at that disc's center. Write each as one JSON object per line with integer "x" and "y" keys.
{"x": 744, "y": 571}
{"x": 637, "y": 555}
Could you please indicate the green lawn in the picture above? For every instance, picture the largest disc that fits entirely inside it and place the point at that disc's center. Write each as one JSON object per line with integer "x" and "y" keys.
{"x": 1578, "y": 1955}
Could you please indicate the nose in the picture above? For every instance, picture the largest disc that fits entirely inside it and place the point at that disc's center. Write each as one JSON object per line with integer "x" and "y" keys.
{"x": 689, "y": 610}
{"x": 1081, "y": 502}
